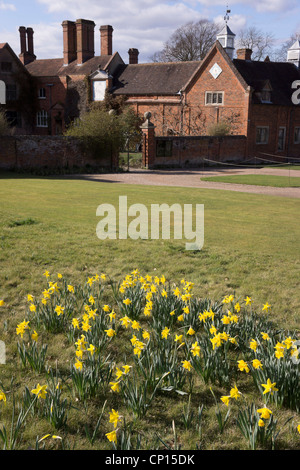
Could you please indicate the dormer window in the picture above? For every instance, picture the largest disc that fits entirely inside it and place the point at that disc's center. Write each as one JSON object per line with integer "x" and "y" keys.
{"x": 98, "y": 85}
{"x": 264, "y": 91}
{"x": 266, "y": 96}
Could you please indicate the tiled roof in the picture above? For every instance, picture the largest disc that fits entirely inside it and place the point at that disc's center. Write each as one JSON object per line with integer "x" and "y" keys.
{"x": 280, "y": 75}
{"x": 56, "y": 67}
{"x": 153, "y": 78}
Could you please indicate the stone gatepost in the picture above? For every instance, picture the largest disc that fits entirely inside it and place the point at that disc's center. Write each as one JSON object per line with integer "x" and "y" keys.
{"x": 149, "y": 148}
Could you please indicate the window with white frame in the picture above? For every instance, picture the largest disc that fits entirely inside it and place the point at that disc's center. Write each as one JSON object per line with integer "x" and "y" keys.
{"x": 297, "y": 135}
{"x": 42, "y": 93}
{"x": 281, "y": 138}
{"x": 262, "y": 134}
{"x": 214, "y": 98}
{"x": 42, "y": 118}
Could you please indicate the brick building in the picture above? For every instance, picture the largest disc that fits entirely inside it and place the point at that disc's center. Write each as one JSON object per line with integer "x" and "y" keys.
{"x": 253, "y": 98}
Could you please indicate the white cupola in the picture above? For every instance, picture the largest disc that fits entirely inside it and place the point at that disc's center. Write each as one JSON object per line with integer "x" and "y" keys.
{"x": 226, "y": 37}
{"x": 293, "y": 54}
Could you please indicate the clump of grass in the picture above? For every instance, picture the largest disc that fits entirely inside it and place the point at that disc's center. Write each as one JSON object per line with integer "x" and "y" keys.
{"x": 20, "y": 222}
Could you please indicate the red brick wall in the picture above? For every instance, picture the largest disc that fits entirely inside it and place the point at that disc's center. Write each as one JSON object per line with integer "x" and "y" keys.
{"x": 53, "y": 103}
{"x": 48, "y": 152}
{"x": 236, "y": 99}
{"x": 274, "y": 117}
{"x": 199, "y": 150}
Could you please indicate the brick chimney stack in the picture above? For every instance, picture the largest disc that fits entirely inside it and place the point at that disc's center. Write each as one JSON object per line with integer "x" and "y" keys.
{"x": 26, "y": 41}
{"x": 70, "y": 41}
{"x": 133, "y": 56}
{"x": 85, "y": 40}
{"x": 244, "y": 54}
{"x": 106, "y": 33}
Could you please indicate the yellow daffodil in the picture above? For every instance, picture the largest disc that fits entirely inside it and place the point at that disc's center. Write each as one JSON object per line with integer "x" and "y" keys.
{"x": 269, "y": 387}
{"x": 114, "y": 417}
{"x": 2, "y": 396}
{"x": 127, "y": 302}
{"x": 243, "y": 366}
{"x": 34, "y": 336}
{"x": 110, "y": 332}
{"x": 248, "y": 300}
{"x": 40, "y": 391}
{"x": 195, "y": 349}
{"x": 71, "y": 289}
{"x": 78, "y": 364}
{"x": 256, "y": 364}
{"x": 2, "y": 303}
{"x": 265, "y": 413}
{"x": 234, "y": 393}
{"x": 265, "y": 336}
{"x": 225, "y": 399}
{"x": 165, "y": 333}
{"x": 59, "y": 310}
{"x": 266, "y": 307}
{"x": 126, "y": 368}
{"x": 253, "y": 344}
{"x": 135, "y": 325}
{"x": 91, "y": 349}
{"x": 115, "y": 386}
{"x": 186, "y": 365}
{"x": 261, "y": 423}
{"x": 112, "y": 436}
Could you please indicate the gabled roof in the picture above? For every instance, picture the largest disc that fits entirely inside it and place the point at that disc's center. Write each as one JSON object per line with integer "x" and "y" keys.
{"x": 5, "y": 45}
{"x": 216, "y": 47}
{"x": 280, "y": 76}
{"x": 157, "y": 78}
{"x": 56, "y": 67}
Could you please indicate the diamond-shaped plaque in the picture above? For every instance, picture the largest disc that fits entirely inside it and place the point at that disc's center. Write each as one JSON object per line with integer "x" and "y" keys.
{"x": 215, "y": 70}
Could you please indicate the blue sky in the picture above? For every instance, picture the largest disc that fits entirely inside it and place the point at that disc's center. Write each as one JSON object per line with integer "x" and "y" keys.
{"x": 145, "y": 24}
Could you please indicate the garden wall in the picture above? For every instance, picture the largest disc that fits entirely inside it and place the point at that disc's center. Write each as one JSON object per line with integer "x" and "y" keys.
{"x": 49, "y": 152}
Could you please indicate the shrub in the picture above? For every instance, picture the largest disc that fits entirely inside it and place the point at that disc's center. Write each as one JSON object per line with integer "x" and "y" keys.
{"x": 219, "y": 129}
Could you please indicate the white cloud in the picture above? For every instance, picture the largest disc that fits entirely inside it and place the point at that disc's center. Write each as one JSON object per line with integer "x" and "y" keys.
{"x": 145, "y": 24}
{"x": 7, "y": 6}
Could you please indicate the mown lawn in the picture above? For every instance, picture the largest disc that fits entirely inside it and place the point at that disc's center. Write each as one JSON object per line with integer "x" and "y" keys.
{"x": 251, "y": 248}
{"x": 258, "y": 180}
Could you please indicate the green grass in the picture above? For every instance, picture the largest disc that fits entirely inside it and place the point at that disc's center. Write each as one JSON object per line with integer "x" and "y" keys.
{"x": 251, "y": 247}
{"x": 285, "y": 167}
{"x": 257, "y": 180}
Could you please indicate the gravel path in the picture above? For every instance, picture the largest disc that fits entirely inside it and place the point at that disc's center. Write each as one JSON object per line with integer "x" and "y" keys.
{"x": 191, "y": 178}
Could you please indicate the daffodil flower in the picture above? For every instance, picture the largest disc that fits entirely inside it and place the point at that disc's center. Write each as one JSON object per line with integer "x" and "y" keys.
{"x": 40, "y": 391}
{"x": 112, "y": 436}
{"x": 269, "y": 387}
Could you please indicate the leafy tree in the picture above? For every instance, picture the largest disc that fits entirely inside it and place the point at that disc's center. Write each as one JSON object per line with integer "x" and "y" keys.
{"x": 191, "y": 41}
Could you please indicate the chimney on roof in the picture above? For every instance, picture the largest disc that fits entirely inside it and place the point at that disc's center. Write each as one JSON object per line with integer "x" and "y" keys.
{"x": 106, "y": 33}
{"x": 133, "y": 55}
{"x": 70, "y": 41}
{"x": 85, "y": 40}
{"x": 26, "y": 41}
{"x": 244, "y": 54}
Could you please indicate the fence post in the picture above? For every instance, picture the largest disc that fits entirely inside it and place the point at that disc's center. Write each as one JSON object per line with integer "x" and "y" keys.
{"x": 149, "y": 149}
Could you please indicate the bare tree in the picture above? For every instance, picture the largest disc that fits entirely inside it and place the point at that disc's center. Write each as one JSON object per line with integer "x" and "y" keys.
{"x": 260, "y": 43}
{"x": 191, "y": 41}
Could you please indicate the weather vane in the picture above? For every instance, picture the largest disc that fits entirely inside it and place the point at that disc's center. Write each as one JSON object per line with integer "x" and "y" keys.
{"x": 226, "y": 17}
